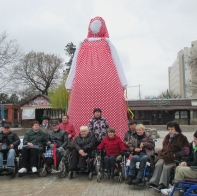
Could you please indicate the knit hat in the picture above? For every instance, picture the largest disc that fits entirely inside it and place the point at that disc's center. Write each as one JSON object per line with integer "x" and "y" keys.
{"x": 195, "y": 134}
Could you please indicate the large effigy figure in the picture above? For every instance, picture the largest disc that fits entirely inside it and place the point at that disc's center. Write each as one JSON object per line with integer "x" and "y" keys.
{"x": 97, "y": 80}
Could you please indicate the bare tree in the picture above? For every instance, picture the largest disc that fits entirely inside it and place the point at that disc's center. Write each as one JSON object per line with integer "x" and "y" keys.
{"x": 9, "y": 54}
{"x": 39, "y": 70}
{"x": 191, "y": 60}
{"x": 165, "y": 95}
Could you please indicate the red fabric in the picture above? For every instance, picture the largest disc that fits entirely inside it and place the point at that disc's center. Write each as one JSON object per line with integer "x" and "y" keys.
{"x": 54, "y": 154}
{"x": 69, "y": 128}
{"x": 112, "y": 146}
{"x": 103, "y": 30}
{"x": 97, "y": 85}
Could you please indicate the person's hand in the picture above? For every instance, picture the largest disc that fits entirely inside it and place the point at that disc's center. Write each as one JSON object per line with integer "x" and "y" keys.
{"x": 141, "y": 145}
{"x": 11, "y": 146}
{"x": 51, "y": 145}
{"x": 126, "y": 143}
{"x": 81, "y": 152}
{"x": 137, "y": 150}
{"x": 69, "y": 136}
{"x": 183, "y": 164}
{"x": 30, "y": 144}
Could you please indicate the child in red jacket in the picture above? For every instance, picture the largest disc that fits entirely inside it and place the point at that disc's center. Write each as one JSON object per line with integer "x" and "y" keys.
{"x": 112, "y": 145}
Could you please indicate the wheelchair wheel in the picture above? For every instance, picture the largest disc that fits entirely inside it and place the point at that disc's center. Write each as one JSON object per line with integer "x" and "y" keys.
{"x": 90, "y": 176}
{"x": 42, "y": 172}
{"x": 120, "y": 179}
{"x": 63, "y": 172}
{"x": 70, "y": 175}
{"x": 98, "y": 178}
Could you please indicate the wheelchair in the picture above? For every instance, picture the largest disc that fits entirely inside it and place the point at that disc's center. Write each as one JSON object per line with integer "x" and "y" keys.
{"x": 63, "y": 167}
{"x": 120, "y": 167}
{"x": 89, "y": 166}
{"x": 5, "y": 171}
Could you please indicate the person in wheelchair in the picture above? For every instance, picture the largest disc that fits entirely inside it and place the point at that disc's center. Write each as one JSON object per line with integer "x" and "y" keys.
{"x": 82, "y": 148}
{"x": 113, "y": 146}
{"x": 56, "y": 143}
{"x": 34, "y": 142}
{"x": 9, "y": 142}
{"x": 142, "y": 147}
{"x": 187, "y": 168}
{"x": 173, "y": 144}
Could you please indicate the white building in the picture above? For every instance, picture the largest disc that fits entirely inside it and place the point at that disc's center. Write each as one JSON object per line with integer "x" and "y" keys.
{"x": 179, "y": 74}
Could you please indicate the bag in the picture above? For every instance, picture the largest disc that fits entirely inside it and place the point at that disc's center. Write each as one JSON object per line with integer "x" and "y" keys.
{"x": 3, "y": 147}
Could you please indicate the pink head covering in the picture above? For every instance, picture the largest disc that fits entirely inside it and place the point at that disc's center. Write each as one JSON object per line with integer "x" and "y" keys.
{"x": 103, "y": 30}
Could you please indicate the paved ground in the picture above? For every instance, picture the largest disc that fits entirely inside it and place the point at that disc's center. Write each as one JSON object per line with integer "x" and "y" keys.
{"x": 32, "y": 185}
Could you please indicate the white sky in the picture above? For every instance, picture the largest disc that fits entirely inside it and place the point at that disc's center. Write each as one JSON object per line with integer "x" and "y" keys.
{"x": 146, "y": 33}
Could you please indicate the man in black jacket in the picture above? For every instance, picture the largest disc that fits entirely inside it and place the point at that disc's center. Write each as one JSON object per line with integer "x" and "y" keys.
{"x": 131, "y": 132}
{"x": 9, "y": 142}
{"x": 58, "y": 139}
{"x": 83, "y": 145}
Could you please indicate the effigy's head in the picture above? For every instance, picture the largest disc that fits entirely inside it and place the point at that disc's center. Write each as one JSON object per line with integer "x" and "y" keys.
{"x": 97, "y": 28}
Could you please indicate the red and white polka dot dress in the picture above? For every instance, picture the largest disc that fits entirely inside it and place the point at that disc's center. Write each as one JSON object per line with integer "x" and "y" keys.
{"x": 97, "y": 85}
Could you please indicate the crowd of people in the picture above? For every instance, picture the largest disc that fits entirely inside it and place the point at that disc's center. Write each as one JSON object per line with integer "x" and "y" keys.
{"x": 56, "y": 140}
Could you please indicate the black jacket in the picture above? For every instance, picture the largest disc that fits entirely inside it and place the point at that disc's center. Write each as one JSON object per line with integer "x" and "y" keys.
{"x": 128, "y": 135}
{"x": 59, "y": 137}
{"x": 191, "y": 160}
{"x": 11, "y": 138}
{"x": 81, "y": 143}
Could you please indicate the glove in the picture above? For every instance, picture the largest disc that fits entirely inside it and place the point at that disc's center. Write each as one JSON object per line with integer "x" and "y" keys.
{"x": 51, "y": 145}
{"x": 99, "y": 158}
{"x": 61, "y": 149}
{"x": 118, "y": 158}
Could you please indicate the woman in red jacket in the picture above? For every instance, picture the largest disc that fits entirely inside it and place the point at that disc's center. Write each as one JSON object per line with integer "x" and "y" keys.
{"x": 112, "y": 145}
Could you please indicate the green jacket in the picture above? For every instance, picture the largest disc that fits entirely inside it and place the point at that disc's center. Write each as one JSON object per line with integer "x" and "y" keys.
{"x": 35, "y": 137}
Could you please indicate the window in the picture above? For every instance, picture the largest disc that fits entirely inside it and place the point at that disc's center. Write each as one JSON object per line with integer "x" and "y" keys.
{"x": 195, "y": 114}
{"x": 177, "y": 115}
{"x": 144, "y": 115}
{"x": 15, "y": 113}
{"x": 184, "y": 114}
{"x": 5, "y": 114}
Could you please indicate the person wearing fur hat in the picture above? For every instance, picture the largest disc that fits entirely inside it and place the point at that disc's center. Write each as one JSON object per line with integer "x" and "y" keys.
{"x": 175, "y": 146}
{"x": 98, "y": 126}
{"x": 184, "y": 170}
{"x": 45, "y": 126}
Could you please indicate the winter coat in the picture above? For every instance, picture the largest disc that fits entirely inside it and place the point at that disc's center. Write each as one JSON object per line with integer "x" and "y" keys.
{"x": 60, "y": 137}
{"x": 69, "y": 128}
{"x": 191, "y": 160}
{"x": 148, "y": 144}
{"x": 35, "y": 137}
{"x": 112, "y": 146}
{"x": 172, "y": 146}
{"x": 128, "y": 135}
{"x": 11, "y": 138}
{"x": 46, "y": 129}
{"x": 85, "y": 143}
{"x": 98, "y": 127}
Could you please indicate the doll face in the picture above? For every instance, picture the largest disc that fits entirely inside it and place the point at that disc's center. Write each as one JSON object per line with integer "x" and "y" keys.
{"x": 95, "y": 26}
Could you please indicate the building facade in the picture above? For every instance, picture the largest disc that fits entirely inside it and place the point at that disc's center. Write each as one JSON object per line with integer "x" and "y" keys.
{"x": 161, "y": 111}
{"x": 180, "y": 75}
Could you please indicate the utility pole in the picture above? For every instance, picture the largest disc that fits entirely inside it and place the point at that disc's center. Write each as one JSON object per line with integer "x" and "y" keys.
{"x": 138, "y": 87}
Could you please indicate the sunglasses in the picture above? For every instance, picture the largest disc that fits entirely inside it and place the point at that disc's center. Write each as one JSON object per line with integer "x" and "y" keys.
{"x": 6, "y": 127}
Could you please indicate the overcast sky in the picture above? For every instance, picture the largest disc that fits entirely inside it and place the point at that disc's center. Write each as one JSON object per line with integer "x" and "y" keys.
{"x": 146, "y": 33}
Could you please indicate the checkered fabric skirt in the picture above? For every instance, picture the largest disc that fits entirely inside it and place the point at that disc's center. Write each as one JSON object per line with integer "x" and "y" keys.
{"x": 49, "y": 153}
